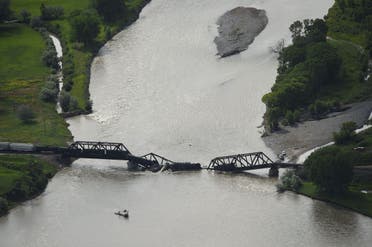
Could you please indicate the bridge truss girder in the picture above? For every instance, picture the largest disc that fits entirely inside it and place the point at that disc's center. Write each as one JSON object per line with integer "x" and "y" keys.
{"x": 98, "y": 146}
{"x": 241, "y": 162}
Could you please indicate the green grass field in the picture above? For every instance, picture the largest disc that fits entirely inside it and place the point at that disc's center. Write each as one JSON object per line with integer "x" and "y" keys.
{"x": 354, "y": 199}
{"x": 16, "y": 169}
{"x": 22, "y": 76}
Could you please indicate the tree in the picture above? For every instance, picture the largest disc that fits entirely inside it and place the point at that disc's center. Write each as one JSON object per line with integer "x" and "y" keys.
{"x": 51, "y": 12}
{"x": 25, "y": 16}
{"x": 110, "y": 10}
{"x": 25, "y": 113}
{"x": 64, "y": 101}
{"x": 5, "y": 11}
{"x": 330, "y": 170}
{"x": 296, "y": 30}
{"x": 346, "y": 134}
{"x": 84, "y": 26}
{"x": 3, "y": 206}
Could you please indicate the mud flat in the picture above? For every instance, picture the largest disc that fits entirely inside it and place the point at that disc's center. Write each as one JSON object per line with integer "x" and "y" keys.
{"x": 238, "y": 28}
{"x": 310, "y": 134}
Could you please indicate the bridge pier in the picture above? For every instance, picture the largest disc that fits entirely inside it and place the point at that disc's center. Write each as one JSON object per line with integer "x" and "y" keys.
{"x": 274, "y": 171}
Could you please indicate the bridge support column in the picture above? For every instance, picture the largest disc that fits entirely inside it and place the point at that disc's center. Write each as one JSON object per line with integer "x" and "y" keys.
{"x": 274, "y": 171}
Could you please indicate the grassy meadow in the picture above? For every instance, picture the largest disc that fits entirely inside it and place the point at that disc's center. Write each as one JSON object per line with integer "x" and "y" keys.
{"x": 22, "y": 75}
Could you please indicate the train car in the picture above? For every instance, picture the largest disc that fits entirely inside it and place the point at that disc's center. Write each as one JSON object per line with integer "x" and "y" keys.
{"x": 22, "y": 147}
{"x": 4, "y": 146}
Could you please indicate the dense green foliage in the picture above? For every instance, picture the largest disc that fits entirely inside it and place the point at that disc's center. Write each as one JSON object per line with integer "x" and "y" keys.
{"x": 346, "y": 134}
{"x": 289, "y": 181}
{"x": 317, "y": 74}
{"x": 305, "y": 68}
{"x": 5, "y": 11}
{"x": 84, "y": 26}
{"x": 50, "y": 12}
{"x": 352, "y": 20}
{"x": 330, "y": 170}
{"x": 22, "y": 177}
{"x": 110, "y": 10}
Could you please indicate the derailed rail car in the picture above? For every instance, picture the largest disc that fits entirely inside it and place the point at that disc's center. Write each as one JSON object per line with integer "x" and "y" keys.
{"x": 17, "y": 147}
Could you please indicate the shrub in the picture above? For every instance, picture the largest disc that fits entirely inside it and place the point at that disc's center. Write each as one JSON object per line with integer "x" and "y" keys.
{"x": 89, "y": 105}
{"x": 25, "y": 113}
{"x": 289, "y": 181}
{"x": 84, "y": 26}
{"x": 5, "y": 11}
{"x": 110, "y": 10}
{"x": 25, "y": 16}
{"x": 48, "y": 95}
{"x": 74, "y": 105}
{"x": 36, "y": 22}
{"x": 346, "y": 134}
{"x": 49, "y": 58}
{"x": 319, "y": 108}
{"x": 3, "y": 206}
{"x": 330, "y": 170}
{"x": 51, "y": 12}
{"x": 290, "y": 117}
{"x": 64, "y": 101}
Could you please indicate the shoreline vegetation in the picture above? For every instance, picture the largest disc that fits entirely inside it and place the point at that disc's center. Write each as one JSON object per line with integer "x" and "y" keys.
{"x": 323, "y": 92}
{"x": 23, "y": 177}
{"x": 29, "y": 81}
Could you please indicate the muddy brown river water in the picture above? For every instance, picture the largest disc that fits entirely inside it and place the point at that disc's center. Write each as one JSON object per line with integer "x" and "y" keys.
{"x": 158, "y": 86}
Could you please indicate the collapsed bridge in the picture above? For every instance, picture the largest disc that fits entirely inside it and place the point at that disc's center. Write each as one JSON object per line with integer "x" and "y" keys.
{"x": 248, "y": 161}
{"x": 151, "y": 161}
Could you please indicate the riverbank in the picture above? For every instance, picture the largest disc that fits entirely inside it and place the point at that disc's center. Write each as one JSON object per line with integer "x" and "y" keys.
{"x": 23, "y": 77}
{"x": 304, "y": 136}
{"x": 23, "y": 177}
{"x": 353, "y": 199}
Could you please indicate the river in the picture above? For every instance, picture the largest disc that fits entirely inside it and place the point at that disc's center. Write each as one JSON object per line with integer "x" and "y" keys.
{"x": 159, "y": 87}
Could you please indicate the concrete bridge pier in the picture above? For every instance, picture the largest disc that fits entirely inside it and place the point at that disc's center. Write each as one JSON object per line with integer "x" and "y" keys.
{"x": 274, "y": 171}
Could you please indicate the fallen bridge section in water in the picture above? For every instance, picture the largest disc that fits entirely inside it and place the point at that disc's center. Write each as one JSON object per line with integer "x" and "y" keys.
{"x": 151, "y": 161}
{"x": 102, "y": 150}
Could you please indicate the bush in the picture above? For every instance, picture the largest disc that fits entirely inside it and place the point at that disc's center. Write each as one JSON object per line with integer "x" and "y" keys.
{"x": 346, "y": 134}
{"x": 48, "y": 95}
{"x": 49, "y": 58}
{"x": 110, "y": 10}
{"x": 64, "y": 101}
{"x": 36, "y": 22}
{"x": 319, "y": 108}
{"x": 25, "y": 113}
{"x": 289, "y": 181}
{"x": 296, "y": 115}
{"x": 84, "y": 26}
{"x": 330, "y": 170}
{"x": 5, "y": 11}
{"x": 51, "y": 12}
{"x": 89, "y": 105}
{"x": 3, "y": 206}
{"x": 289, "y": 116}
{"x": 74, "y": 105}
{"x": 25, "y": 16}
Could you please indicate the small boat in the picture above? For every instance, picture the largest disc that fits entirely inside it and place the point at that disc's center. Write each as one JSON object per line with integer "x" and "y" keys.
{"x": 124, "y": 214}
